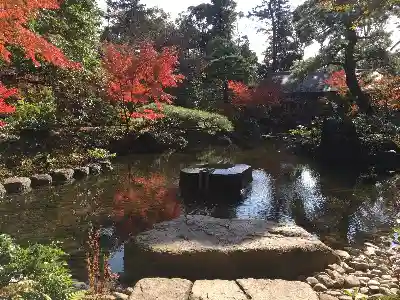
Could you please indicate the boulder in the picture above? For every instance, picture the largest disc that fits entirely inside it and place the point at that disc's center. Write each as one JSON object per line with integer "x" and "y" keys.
{"x": 265, "y": 289}
{"x": 2, "y": 191}
{"x": 202, "y": 247}
{"x": 62, "y": 176}
{"x": 106, "y": 165}
{"x": 81, "y": 172}
{"x": 39, "y": 180}
{"x": 94, "y": 169}
{"x": 17, "y": 185}
{"x": 161, "y": 289}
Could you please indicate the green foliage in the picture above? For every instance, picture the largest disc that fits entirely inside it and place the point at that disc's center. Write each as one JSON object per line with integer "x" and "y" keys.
{"x": 75, "y": 28}
{"x": 314, "y": 22}
{"x": 100, "y": 154}
{"x": 192, "y": 119}
{"x": 37, "y": 272}
{"x": 36, "y": 110}
{"x": 305, "y": 132}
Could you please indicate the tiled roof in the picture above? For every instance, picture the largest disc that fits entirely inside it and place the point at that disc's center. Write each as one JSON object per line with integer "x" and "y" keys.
{"x": 312, "y": 83}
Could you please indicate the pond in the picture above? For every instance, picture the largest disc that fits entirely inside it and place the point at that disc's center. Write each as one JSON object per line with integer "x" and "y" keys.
{"x": 143, "y": 190}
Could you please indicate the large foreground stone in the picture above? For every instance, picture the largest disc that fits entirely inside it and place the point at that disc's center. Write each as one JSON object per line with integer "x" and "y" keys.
{"x": 201, "y": 247}
{"x": 265, "y": 289}
{"x": 161, "y": 289}
{"x": 216, "y": 290}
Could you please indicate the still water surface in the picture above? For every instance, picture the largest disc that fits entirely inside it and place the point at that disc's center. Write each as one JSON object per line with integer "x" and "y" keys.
{"x": 143, "y": 190}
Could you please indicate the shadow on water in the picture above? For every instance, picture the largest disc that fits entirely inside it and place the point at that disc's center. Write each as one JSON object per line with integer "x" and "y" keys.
{"x": 143, "y": 190}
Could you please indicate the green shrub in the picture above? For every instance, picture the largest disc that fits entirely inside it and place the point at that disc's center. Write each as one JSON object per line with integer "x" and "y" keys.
{"x": 176, "y": 117}
{"x": 37, "y": 272}
{"x": 100, "y": 154}
{"x": 36, "y": 110}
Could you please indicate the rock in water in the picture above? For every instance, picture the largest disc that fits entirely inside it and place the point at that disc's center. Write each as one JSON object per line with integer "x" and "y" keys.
{"x": 63, "y": 176}
{"x": 17, "y": 185}
{"x": 39, "y": 180}
{"x": 201, "y": 247}
{"x": 2, "y": 191}
{"x": 223, "y": 181}
{"x": 81, "y": 172}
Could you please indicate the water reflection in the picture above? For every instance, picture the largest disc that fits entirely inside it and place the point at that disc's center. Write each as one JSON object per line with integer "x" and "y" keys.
{"x": 142, "y": 190}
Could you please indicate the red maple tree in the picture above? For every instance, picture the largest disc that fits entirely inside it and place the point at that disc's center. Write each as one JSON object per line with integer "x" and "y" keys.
{"x": 384, "y": 90}
{"x": 266, "y": 93}
{"x": 139, "y": 76}
{"x": 14, "y": 18}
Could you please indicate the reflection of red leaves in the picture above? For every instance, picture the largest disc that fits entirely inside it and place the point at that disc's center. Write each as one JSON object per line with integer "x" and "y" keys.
{"x": 143, "y": 203}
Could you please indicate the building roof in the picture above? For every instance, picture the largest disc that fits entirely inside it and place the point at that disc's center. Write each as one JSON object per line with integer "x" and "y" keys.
{"x": 314, "y": 82}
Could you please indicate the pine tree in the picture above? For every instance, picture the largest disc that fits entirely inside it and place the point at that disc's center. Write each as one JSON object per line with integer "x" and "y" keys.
{"x": 132, "y": 22}
{"x": 284, "y": 48}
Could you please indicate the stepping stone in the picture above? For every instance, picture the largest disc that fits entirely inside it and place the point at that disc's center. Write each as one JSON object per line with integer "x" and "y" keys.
{"x": 161, "y": 289}
{"x": 17, "y": 185}
{"x": 265, "y": 289}
{"x": 202, "y": 247}
{"x": 216, "y": 290}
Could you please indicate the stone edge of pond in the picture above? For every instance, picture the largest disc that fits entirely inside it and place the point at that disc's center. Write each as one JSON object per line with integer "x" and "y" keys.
{"x": 21, "y": 185}
{"x": 367, "y": 272}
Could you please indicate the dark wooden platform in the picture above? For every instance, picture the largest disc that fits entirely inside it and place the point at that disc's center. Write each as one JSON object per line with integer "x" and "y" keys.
{"x": 218, "y": 179}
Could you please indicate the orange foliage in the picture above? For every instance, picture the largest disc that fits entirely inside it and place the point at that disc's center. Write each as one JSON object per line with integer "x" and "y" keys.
{"x": 4, "y": 94}
{"x": 384, "y": 91}
{"x": 14, "y": 31}
{"x": 14, "y": 18}
{"x": 267, "y": 93}
{"x": 140, "y": 76}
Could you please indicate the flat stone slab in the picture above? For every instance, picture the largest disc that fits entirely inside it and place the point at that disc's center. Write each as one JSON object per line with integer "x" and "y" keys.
{"x": 216, "y": 290}
{"x": 201, "y": 247}
{"x": 241, "y": 289}
{"x": 265, "y": 289}
{"x": 161, "y": 289}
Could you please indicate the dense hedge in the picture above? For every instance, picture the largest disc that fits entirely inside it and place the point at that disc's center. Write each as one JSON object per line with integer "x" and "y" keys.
{"x": 176, "y": 117}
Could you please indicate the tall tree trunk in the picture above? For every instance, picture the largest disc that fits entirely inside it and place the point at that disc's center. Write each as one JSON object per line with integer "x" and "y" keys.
{"x": 226, "y": 92}
{"x": 362, "y": 99}
{"x": 271, "y": 9}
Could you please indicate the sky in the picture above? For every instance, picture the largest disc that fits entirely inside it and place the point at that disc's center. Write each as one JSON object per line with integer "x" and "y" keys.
{"x": 245, "y": 26}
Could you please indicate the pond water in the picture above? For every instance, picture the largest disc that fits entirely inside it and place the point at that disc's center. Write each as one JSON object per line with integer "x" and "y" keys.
{"x": 143, "y": 190}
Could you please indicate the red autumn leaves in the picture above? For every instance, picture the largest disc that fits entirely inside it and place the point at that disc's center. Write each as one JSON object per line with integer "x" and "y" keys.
{"x": 384, "y": 90}
{"x": 14, "y": 18}
{"x": 140, "y": 76}
{"x": 267, "y": 93}
{"x": 136, "y": 76}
